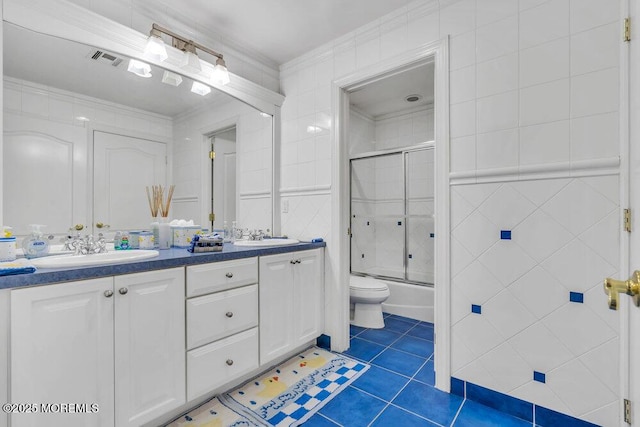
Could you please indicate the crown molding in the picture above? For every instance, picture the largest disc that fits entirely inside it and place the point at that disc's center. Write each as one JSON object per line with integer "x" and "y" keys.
{"x": 366, "y": 32}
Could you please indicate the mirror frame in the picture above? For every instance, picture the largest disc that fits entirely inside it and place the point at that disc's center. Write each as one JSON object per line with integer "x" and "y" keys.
{"x": 66, "y": 20}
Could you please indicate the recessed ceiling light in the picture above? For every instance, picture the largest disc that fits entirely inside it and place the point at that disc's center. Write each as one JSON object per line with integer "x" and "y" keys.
{"x": 413, "y": 98}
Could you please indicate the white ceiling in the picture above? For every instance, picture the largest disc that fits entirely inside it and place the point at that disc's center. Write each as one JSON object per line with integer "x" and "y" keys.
{"x": 281, "y": 29}
{"x": 387, "y": 95}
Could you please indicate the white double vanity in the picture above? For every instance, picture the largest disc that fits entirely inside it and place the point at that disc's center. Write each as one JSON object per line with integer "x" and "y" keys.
{"x": 147, "y": 346}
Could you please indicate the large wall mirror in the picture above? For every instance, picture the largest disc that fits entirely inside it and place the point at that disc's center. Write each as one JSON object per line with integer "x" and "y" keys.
{"x": 83, "y": 137}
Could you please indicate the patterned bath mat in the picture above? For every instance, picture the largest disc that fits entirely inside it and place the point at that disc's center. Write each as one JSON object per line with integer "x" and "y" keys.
{"x": 285, "y": 396}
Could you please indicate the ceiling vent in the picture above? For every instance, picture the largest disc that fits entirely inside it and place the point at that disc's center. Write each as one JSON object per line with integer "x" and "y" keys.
{"x": 105, "y": 57}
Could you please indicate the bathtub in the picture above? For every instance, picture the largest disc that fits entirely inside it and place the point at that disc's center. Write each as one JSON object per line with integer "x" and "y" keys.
{"x": 412, "y": 301}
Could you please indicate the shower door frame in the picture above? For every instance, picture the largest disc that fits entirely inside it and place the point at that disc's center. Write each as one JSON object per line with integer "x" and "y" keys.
{"x": 337, "y": 277}
{"x": 403, "y": 151}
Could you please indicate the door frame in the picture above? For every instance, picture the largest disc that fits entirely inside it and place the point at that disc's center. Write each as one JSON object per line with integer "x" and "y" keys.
{"x": 337, "y": 288}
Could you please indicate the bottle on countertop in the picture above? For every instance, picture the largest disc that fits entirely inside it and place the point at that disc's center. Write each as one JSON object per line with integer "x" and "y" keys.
{"x": 35, "y": 245}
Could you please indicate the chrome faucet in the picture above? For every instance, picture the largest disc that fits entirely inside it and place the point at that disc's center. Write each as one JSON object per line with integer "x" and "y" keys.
{"x": 86, "y": 245}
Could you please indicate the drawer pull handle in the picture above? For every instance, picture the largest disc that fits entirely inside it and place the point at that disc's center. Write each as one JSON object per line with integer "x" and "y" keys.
{"x": 229, "y": 362}
{"x": 108, "y": 293}
{"x": 229, "y": 314}
{"x": 229, "y": 275}
{"x": 123, "y": 291}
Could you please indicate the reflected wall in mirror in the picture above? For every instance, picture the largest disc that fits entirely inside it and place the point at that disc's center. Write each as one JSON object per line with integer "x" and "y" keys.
{"x": 83, "y": 137}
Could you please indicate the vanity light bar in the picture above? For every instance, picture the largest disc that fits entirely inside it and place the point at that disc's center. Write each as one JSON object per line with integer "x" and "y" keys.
{"x": 155, "y": 49}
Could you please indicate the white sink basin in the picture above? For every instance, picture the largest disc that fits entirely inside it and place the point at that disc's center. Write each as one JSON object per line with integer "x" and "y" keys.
{"x": 62, "y": 261}
{"x": 266, "y": 242}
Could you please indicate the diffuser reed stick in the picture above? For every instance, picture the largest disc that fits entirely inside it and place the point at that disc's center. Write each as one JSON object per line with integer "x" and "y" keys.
{"x": 157, "y": 202}
{"x": 164, "y": 208}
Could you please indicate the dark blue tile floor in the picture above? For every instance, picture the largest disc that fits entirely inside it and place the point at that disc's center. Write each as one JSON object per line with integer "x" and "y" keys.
{"x": 398, "y": 390}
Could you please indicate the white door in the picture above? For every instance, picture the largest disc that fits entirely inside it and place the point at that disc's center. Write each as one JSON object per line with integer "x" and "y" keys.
{"x": 276, "y": 306}
{"x": 224, "y": 180}
{"x": 150, "y": 365}
{"x": 633, "y": 328}
{"x": 44, "y": 171}
{"x": 308, "y": 286}
{"x": 62, "y": 352}
{"x": 122, "y": 167}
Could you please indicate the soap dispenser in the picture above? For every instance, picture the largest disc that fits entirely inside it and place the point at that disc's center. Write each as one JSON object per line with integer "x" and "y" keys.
{"x": 35, "y": 245}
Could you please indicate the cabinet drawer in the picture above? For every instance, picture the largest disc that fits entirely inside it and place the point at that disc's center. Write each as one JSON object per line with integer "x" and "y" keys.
{"x": 216, "y": 364}
{"x": 218, "y": 276}
{"x": 215, "y": 316}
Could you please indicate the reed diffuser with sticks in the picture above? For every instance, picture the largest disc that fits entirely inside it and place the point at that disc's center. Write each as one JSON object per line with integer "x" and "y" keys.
{"x": 159, "y": 207}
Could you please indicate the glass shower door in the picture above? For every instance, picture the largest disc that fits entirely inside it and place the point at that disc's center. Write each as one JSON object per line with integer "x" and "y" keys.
{"x": 420, "y": 215}
{"x": 377, "y": 216}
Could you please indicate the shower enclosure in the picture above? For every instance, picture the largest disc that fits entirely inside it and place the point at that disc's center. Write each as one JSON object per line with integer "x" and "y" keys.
{"x": 392, "y": 221}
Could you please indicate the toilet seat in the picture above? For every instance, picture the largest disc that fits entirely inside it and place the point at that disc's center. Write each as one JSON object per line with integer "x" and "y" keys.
{"x": 367, "y": 284}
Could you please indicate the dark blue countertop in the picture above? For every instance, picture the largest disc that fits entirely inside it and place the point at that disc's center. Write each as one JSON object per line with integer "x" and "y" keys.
{"x": 169, "y": 258}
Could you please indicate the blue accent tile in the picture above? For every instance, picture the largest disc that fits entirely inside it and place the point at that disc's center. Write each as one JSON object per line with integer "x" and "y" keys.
{"x": 353, "y": 408}
{"x": 381, "y": 383}
{"x": 539, "y": 376}
{"x": 422, "y": 330}
{"x": 414, "y": 345}
{"x": 355, "y": 330}
{"x": 380, "y": 336}
{"x": 505, "y": 234}
{"x": 501, "y": 402}
{"x": 457, "y": 386}
{"x": 392, "y": 323}
{"x": 318, "y": 420}
{"x": 324, "y": 341}
{"x": 363, "y": 350}
{"x": 548, "y": 418}
{"x": 398, "y": 361}
{"x": 393, "y": 416}
{"x": 426, "y": 374}
{"x": 474, "y": 414}
{"x": 476, "y": 309}
{"x": 428, "y": 402}
{"x": 576, "y": 297}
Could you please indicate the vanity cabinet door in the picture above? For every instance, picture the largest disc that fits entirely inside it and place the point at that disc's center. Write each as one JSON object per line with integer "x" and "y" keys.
{"x": 308, "y": 309}
{"x": 150, "y": 365}
{"x": 62, "y": 352}
{"x": 291, "y": 301}
{"x": 276, "y": 306}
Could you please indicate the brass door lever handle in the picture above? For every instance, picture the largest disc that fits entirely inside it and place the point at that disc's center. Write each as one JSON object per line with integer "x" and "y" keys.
{"x": 631, "y": 287}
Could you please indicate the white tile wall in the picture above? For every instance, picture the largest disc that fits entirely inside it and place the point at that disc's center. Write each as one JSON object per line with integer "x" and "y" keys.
{"x": 253, "y": 159}
{"x": 59, "y": 106}
{"x": 525, "y": 91}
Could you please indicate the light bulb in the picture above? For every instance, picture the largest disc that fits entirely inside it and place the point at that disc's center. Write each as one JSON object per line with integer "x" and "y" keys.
{"x": 191, "y": 62}
{"x": 171, "y": 78}
{"x": 155, "y": 49}
{"x": 139, "y": 68}
{"x": 200, "y": 89}
{"x": 220, "y": 73}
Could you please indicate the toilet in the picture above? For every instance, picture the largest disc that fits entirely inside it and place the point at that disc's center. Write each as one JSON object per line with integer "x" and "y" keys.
{"x": 367, "y": 295}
